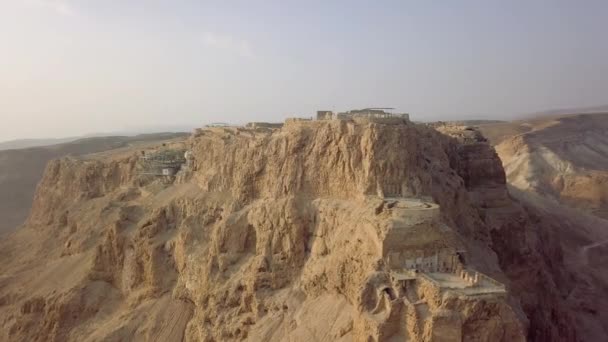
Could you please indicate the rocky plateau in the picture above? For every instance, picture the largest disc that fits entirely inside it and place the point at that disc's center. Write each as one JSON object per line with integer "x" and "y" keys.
{"x": 280, "y": 235}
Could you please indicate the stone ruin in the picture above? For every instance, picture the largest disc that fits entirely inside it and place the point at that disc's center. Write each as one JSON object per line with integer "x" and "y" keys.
{"x": 263, "y": 125}
{"x": 371, "y": 114}
{"x": 166, "y": 162}
{"x": 419, "y": 247}
{"x": 377, "y": 115}
{"x": 446, "y": 261}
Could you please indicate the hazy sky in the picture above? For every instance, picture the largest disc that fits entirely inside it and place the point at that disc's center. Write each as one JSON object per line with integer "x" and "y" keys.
{"x": 70, "y": 67}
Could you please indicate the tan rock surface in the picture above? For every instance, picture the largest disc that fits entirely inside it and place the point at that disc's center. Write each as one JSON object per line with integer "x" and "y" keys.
{"x": 274, "y": 235}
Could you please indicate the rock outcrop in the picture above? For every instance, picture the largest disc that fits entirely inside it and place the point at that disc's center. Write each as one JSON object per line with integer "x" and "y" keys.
{"x": 275, "y": 235}
{"x": 22, "y": 169}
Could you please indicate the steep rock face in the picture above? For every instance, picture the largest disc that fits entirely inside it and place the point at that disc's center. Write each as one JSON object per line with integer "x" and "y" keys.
{"x": 21, "y": 169}
{"x": 269, "y": 236}
{"x": 339, "y": 159}
{"x": 82, "y": 180}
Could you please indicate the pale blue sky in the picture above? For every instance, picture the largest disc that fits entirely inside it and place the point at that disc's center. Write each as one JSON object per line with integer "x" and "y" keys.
{"x": 70, "y": 67}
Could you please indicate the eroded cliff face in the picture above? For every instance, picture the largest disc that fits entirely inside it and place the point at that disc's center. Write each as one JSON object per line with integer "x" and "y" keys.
{"x": 270, "y": 235}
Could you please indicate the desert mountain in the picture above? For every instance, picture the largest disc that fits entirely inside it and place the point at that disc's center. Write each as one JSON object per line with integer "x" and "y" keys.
{"x": 557, "y": 167}
{"x": 568, "y": 111}
{"x": 22, "y": 169}
{"x": 27, "y": 143}
{"x": 564, "y": 158}
{"x": 328, "y": 230}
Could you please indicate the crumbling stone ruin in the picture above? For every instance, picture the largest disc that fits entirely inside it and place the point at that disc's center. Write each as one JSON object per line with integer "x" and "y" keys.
{"x": 371, "y": 114}
{"x": 420, "y": 247}
{"x": 366, "y": 115}
{"x": 164, "y": 162}
{"x": 257, "y": 125}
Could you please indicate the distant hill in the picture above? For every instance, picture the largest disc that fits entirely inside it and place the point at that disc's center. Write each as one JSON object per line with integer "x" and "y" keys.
{"x": 25, "y": 143}
{"x": 21, "y": 169}
{"x": 474, "y": 122}
{"x": 568, "y": 111}
{"x": 128, "y": 132}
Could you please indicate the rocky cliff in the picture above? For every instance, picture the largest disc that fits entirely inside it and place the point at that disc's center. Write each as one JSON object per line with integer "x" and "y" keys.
{"x": 22, "y": 169}
{"x": 275, "y": 235}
